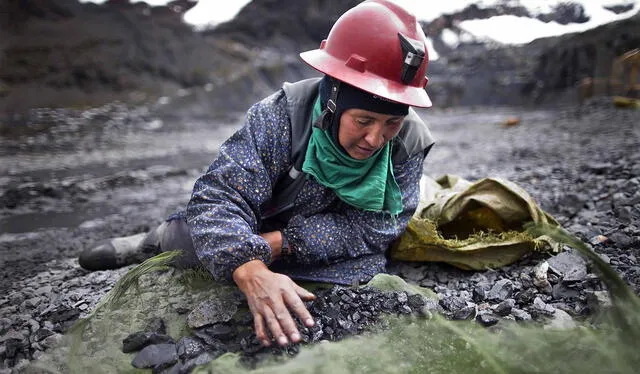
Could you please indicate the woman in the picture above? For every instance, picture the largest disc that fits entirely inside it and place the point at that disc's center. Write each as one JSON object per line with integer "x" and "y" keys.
{"x": 323, "y": 176}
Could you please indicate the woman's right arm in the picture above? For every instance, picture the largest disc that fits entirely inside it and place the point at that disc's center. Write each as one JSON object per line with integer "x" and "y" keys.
{"x": 223, "y": 213}
{"x": 223, "y": 217}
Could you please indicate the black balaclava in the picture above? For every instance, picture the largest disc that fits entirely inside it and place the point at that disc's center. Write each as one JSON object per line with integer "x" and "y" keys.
{"x": 352, "y": 97}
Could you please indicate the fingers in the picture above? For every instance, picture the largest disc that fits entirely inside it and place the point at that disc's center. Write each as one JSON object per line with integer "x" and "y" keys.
{"x": 261, "y": 332}
{"x": 297, "y": 306}
{"x": 284, "y": 317}
{"x": 270, "y": 297}
{"x": 279, "y": 320}
{"x": 304, "y": 294}
{"x": 274, "y": 326}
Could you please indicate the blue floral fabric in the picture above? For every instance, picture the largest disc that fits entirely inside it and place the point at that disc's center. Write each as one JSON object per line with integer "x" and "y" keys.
{"x": 329, "y": 240}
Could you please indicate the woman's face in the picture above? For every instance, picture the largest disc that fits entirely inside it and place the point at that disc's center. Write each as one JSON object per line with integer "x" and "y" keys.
{"x": 362, "y": 132}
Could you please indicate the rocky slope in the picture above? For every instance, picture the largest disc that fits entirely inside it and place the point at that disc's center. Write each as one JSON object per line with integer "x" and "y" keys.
{"x": 567, "y": 59}
{"x": 82, "y": 54}
{"x": 285, "y": 25}
{"x": 545, "y": 71}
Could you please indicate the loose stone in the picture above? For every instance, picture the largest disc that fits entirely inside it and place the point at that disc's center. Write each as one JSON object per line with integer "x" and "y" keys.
{"x": 520, "y": 315}
{"x": 504, "y": 308}
{"x": 571, "y": 266}
{"x": 502, "y": 290}
{"x": 542, "y": 308}
{"x": 189, "y": 347}
{"x": 487, "y": 319}
{"x": 154, "y": 356}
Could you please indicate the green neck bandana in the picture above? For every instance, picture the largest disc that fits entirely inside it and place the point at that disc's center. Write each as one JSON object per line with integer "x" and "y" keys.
{"x": 366, "y": 184}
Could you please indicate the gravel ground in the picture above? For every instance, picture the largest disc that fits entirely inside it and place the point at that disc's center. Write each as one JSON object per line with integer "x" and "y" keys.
{"x": 118, "y": 171}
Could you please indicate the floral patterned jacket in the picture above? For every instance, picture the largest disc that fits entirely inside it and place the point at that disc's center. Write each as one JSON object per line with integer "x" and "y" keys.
{"x": 329, "y": 240}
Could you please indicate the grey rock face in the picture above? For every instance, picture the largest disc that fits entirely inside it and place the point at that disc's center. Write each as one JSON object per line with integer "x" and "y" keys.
{"x": 210, "y": 312}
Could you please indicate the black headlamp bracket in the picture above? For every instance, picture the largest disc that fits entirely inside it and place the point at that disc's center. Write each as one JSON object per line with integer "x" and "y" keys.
{"x": 413, "y": 55}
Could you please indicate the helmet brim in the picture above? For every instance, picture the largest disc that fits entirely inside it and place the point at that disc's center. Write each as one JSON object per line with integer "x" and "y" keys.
{"x": 366, "y": 81}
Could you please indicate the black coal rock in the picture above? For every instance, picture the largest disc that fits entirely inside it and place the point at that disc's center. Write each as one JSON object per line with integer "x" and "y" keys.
{"x": 338, "y": 312}
{"x": 504, "y": 308}
{"x": 526, "y": 297}
{"x": 416, "y": 302}
{"x": 210, "y": 341}
{"x": 479, "y": 293}
{"x": 138, "y": 340}
{"x": 189, "y": 347}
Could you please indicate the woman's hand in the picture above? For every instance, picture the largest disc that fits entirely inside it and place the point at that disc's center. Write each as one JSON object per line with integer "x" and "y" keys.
{"x": 270, "y": 296}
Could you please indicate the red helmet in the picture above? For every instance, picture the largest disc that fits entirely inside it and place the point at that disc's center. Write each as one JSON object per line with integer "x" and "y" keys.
{"x": 377, "y": 47}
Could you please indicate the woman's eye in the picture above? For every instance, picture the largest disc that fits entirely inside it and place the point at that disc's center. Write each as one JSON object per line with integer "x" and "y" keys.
{"x": 363, "y": 121}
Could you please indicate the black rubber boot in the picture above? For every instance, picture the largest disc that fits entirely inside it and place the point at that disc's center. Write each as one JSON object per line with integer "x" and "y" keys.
{"x": 118, "y": 252}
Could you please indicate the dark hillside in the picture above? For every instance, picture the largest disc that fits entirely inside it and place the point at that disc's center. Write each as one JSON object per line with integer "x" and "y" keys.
{"x": 286, "y": 25}
{"x": 78, "y": 55}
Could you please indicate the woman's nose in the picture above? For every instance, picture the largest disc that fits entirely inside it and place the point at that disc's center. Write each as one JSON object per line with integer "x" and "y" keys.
{"x": 375, "y": 136}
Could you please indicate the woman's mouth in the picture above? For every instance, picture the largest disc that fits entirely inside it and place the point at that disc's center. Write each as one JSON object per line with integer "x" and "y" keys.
{"x": 366, "y": 151}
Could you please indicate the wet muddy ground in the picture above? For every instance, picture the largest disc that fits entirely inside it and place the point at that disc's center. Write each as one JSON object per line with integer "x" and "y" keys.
{"x": 69, "y": 178}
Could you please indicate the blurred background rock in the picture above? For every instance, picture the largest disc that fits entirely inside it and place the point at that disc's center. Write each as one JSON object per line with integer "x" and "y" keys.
{"x": 63, "y": 53}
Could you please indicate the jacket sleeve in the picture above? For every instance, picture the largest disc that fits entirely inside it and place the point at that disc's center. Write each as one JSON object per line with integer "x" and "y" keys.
{"x": 224, "y": 210}
{"x": 348, "y": 232}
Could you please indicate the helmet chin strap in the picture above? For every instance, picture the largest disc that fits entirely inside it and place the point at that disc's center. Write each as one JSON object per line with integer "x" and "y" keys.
{"x": 324, "y": 121}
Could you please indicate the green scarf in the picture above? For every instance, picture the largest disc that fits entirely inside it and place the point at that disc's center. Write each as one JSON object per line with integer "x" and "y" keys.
{"x": 366, "y": 184}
